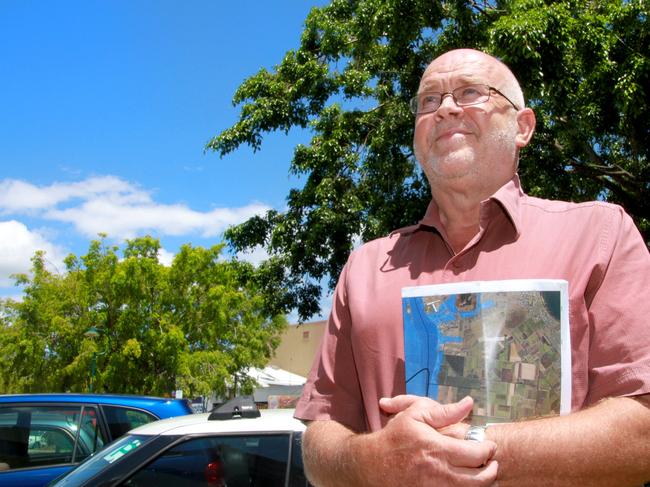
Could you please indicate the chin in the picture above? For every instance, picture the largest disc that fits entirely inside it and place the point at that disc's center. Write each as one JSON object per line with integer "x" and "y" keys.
{"x": 453, "y": 165}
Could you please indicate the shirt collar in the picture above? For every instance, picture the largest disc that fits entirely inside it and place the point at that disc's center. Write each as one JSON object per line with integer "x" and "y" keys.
{"x": 507, "y": 196}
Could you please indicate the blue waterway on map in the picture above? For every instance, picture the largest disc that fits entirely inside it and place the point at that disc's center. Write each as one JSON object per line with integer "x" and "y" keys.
{"x": 424, "y": 341}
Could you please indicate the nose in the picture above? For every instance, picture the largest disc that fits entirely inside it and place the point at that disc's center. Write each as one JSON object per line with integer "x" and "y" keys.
{"x": 447, "y": 105}
{"x": 445, "y": 95}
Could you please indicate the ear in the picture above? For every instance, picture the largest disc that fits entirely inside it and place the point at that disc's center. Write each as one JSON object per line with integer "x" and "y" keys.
{"x": 526, "y": 127}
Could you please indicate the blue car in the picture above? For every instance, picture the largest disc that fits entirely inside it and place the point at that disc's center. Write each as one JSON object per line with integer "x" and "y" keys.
{"x": 42, "y": 436}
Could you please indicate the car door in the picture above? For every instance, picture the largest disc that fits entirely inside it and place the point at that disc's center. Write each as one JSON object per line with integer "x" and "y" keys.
{"x": 250, "y": 460}
{"x": 121, "y": 419}
{"x": 40, "y": 442}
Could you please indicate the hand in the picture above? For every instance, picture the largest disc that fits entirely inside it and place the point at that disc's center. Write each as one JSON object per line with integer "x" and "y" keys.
{"x": 410, "y": 451}
{"x": 446, "y": 419}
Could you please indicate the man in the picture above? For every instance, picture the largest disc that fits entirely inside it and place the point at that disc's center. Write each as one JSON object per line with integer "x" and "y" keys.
{"x": 470, "y": 124}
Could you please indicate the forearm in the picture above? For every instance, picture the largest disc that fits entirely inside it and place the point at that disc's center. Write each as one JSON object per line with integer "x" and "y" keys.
{"x": 327, "y": 455}
{"x": 606, "y": 445}
{"x": 407, "y": 451}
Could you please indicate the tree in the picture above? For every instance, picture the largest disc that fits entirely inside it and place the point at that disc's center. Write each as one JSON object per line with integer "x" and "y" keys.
{"x": 196, "y": 325}
{"x": 583, "y": 65}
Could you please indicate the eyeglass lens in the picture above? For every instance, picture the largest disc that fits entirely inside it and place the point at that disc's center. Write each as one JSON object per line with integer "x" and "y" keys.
{"x": 463, "y": 95}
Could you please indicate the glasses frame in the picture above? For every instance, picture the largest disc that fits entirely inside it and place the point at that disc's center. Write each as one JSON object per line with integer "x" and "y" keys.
{"x": 413, "y": 102}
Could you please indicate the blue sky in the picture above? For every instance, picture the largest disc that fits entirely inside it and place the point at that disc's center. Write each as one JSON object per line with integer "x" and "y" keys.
{"x": 106, "y": 110}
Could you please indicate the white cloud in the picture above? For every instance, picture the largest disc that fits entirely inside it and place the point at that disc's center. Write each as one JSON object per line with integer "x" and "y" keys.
{"x": 18, "y": 245}
{"x": 110, "y": 205}
{"x": 165, "y": 257}
{"x": 255, "y": 256}
{"x": 121, "y": 219}
{"x": 19, "y": 196}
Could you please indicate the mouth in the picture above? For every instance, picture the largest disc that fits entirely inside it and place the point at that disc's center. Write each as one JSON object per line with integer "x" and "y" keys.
{"x": 450, "y": 132}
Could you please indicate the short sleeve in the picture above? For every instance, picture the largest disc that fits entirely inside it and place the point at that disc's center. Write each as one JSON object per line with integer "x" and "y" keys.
{"x": 619, "y": 314}
{"x": 332, "y": 391}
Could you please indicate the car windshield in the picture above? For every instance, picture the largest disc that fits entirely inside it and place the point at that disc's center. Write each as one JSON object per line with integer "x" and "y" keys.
{"x": 115, "y": 452}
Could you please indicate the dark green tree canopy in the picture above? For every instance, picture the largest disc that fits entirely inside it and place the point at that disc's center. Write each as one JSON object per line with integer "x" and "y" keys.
{"x": 583, "y": 66}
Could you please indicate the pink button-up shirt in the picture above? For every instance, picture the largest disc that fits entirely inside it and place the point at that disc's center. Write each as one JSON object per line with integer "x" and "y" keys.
{"x": 594, "y": 246}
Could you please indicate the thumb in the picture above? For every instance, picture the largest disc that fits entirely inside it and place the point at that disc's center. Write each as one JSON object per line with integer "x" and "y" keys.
{"x": 445, "y": 414}
{"x": 429, "y": 411}
{"x": 394, "y": 405}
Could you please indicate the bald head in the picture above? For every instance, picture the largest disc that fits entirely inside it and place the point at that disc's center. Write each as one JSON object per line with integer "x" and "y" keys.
{"x": 471, "y": 148}
{"x": 492, "y": 68}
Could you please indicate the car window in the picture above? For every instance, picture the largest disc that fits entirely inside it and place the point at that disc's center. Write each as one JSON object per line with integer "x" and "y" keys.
{"x": 219, "y": 461}
{"x": 122, "y": 419}
{"x": 297, "y": 477}
{"x": 50, "y": 441}
{"x": 114, "y": 453}
{"x": 34, "y": 436}
{"x": 91, "y": 437}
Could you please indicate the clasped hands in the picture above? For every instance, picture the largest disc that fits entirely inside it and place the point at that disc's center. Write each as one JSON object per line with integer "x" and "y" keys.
{"x": 422, "y": 445}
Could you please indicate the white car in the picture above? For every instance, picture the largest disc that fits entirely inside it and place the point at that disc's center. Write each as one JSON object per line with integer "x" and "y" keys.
{"x": 234, "y": 446}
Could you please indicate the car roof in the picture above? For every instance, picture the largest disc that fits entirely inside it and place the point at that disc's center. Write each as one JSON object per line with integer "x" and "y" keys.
{"x": 155, "y": 405}
{"x": 270, "y": 421}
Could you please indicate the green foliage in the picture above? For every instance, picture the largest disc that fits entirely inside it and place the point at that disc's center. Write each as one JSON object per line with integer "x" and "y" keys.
{"x": 196, "y": 325}
{"x": 583, "y": 65}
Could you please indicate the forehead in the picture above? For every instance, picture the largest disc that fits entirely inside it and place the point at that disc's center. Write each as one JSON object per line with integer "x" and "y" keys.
{"x": 457, "y": 68}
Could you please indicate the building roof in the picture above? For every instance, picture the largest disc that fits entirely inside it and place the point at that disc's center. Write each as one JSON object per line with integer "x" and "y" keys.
{"x": 275, "y": 376}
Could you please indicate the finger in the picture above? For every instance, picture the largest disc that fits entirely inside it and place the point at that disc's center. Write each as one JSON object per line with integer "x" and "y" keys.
{"x": 441, "y": 415}
{"x": 457, "y": 430}
{"x": 432, "y": 413}
{"x": 484, "y": 476}
{"x": 394, "y": 405}
{"x": 462, "y": 453}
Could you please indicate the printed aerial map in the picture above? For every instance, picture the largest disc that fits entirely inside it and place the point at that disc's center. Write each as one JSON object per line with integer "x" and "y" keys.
{"x": 501, "y": 348}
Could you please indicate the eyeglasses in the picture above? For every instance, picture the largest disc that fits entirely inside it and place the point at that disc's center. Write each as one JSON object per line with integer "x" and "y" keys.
{"x": 463, "y": 96}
